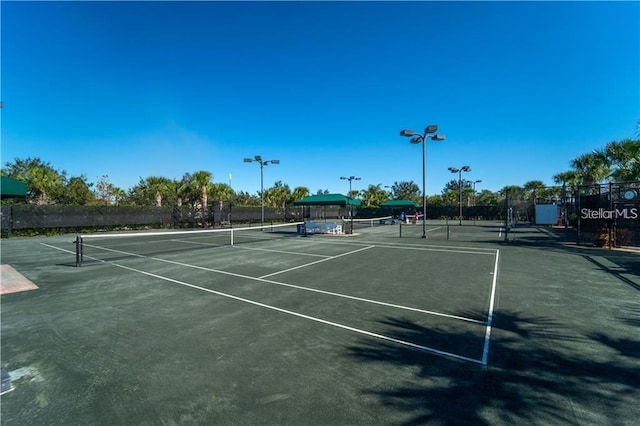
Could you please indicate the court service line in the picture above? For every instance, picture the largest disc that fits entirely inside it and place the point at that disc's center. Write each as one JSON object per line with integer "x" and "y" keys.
{"x": 461, "y": 251}
{"x": 487, "y": 335}
{"x": 251, "y": 248}
{"x": 317, "y": 261}
{"x": 438, "y": 248}
{"x": 308, "y": 317}
{"x": 328, "y": 293}
{"x": 297, "y": 253}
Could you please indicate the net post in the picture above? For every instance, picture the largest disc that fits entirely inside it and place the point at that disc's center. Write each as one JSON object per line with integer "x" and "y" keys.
{"x": 78, "y": 244}
{"x": 231, "y": 232}
{"x": 506, "y": 216}
{"x": 400, "y": 229}
{"x": 447, "y": 221}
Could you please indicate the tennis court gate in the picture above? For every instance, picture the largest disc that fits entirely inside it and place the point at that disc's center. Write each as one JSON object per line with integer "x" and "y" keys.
{"x": 609, "y": 214}
{"x": 550, "y": 205}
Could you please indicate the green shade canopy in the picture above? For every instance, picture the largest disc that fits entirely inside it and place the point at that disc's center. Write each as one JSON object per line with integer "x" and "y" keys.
{"x": 12, "y": 188}
{"x": 400, "y": 203}
{"x": 327, "y": 200}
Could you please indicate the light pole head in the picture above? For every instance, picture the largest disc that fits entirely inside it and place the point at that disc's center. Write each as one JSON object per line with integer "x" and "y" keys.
{"x": 343, "y": 178}
{"x": 248, "y": 160}
{"x": 437, "y": 137}
{"x": 258, "y": 158}
{"x": 417, "y": 139}
{"x": 275, "y": 161}
{"x": 454, "y": 169}
{"x": 407, "y": 133}
{"x": 431, "y": 128}
{"x": 466, "y": 168}
{"x": 478, "y": 181}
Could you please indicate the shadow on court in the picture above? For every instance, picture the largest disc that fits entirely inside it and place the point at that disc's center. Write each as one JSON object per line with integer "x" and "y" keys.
{"x": 530, "y": 379}
{"x": 104, "y": 345}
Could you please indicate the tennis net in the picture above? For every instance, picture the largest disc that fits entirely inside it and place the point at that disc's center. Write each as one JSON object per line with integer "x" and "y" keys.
{"x": 115, "y": 246}
{"x": 371, "y": 222}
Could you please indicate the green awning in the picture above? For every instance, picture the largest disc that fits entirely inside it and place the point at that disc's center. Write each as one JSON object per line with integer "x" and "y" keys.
{"x": 400, "y": 203}
{"x": 12, "y": 188}
{"x": 327, "y": 200}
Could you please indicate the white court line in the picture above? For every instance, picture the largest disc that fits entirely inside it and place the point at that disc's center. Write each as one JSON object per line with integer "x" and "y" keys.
{"x": 251, "y": 248}
{"x": 463, "y": 251}
{"x": 488, "y": 323}
{"x": 316, "y": 262}
{"x": 58, "y": 248}
{"x": 308, "y": 317}
{"x": 314, "y": 290}
{"x": 438, "y": 248}
{"x": 297, "y": 253}
{"x": 487, "y": 335}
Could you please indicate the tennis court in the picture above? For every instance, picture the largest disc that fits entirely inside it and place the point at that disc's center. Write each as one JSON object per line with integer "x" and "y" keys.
{"x": 275, "y": 327}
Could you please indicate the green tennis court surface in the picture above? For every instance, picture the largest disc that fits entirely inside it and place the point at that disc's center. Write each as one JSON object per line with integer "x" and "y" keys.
{"x": 370, "y": 328}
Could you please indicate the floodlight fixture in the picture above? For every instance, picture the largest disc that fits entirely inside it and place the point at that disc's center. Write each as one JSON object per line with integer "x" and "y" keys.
{"x": 350, "y": 179}
{"x": 459, "y": 171}
{"x": 417, "y": 138}
{"x": 259, "y": 160}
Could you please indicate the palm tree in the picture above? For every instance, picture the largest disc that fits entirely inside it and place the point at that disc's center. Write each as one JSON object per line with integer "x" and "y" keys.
{"x": 624, "y": 159}
{"x": 534, "y": 189}
{"x": 592, "y": 167}
{"x": 43, "y": 181}
{"x": 278, "y": 195}
{"x": 569, "y": 180}
{"x": 374, "y": 195}
{"x": 221, "y": 192}
{"x": 202, "y": 181}
{"x": 300, "y": 192}
{"x": 159, "y": 187}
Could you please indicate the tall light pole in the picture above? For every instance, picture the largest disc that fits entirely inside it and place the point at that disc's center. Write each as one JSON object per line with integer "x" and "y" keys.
{"x": 474, "y": 190}
{"x": 459, "y": 172}
{"x": 350, "y": 179}
{"x": 258, "y": 159}
{"x": 429, "y": 133}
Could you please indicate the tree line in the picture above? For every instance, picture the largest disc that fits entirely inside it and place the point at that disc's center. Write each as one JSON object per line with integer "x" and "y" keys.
{"x": 617, "y": 161}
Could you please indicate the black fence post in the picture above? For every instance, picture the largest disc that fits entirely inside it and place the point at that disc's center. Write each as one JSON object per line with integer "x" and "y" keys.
{"x": 79, "y": 256}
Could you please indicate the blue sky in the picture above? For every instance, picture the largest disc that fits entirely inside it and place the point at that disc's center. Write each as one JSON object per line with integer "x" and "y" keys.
{"x": 139, "y": 89}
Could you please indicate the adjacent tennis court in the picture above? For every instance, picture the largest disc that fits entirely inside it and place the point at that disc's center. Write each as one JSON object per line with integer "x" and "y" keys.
{"x": 272, "y": 326}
